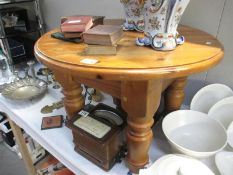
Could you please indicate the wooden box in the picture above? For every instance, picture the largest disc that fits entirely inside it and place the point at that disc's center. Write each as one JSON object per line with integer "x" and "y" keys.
{"x": 104, "y": 151}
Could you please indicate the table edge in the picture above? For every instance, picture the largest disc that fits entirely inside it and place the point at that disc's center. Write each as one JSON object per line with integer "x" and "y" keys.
{"x": 130, "y": 74}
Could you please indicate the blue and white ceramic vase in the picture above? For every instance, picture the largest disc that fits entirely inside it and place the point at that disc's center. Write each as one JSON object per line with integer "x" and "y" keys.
{"x": 133, "y": 14}
{"x": 161, "y": 18}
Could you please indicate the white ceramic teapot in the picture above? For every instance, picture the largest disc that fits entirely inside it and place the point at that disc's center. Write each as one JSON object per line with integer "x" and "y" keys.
{"x": 161, "y": 19}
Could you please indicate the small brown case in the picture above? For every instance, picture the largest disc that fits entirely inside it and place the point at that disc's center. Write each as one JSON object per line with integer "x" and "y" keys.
{"x": 52, "y": 122}
{"x": 101, "y": 151}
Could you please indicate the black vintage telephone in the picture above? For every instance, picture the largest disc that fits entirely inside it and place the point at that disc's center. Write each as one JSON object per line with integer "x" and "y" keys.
{"x": 113, "y": 116}
{"x": 109, "y": 116}
{"x": 96, "y": 128}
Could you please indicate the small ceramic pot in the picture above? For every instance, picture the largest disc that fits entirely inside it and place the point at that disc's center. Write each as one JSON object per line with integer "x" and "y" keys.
{"x": 161, "y": 21}
{"x": 134, "y": 15}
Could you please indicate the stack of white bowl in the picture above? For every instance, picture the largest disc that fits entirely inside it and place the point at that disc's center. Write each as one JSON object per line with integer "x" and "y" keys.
{"x": 219, "y": 100}
{"x": 205, "y": 129}
{"x": 201, "y": 132}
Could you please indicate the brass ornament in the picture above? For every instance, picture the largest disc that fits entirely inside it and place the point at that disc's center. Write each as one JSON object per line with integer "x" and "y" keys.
{"x": 49, "y": 109}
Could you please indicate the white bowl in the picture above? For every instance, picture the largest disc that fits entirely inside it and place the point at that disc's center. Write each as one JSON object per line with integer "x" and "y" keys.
{"x": 222, "y": 111}
{"x": 194, "y": 133}
{"x": 207, "y": 96}
{"x": 224, "y": 162}
{"x": 230, "y": 134}
{"x": 173, "y": 164}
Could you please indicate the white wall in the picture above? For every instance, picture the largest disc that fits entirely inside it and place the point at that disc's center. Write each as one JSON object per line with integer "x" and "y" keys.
{"x": 212, "y": 16}
{"x": 205, "y": 15}
{"x": 54, "y": 9}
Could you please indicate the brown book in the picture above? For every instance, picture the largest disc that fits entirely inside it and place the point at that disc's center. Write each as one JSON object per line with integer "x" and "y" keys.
{"x": 97, "y": 20}
{"x": 101, "y": 50}
{"x": 103, "y": 35}
{"x": 76, "y": 23}
{"x": 115, "y": 22}
{"x": 72, "y": 34}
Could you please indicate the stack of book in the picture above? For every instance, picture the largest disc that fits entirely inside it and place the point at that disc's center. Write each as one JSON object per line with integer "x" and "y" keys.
{"x": 102, "y": 39}
{"x": 74, "y": 26}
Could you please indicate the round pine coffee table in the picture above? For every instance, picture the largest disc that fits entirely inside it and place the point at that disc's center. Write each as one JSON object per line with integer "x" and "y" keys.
{"x": 135, "y": 75}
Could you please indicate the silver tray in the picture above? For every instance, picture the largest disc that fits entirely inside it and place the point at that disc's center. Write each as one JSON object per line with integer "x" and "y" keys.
{"x": 24, "y": 89}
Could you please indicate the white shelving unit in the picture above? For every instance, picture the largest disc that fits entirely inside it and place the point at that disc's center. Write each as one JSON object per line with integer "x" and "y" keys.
{"x": 59, "y": 142}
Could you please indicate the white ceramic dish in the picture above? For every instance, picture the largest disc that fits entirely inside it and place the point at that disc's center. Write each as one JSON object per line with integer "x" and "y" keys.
{"x": 177, "y": 165}
{"x": 206, "y": 97}
{"x": 230, "y": 135}
{"x": 194, "y": 133}
{"x": 224, "y": 162}
{"x": 222, "y": 111}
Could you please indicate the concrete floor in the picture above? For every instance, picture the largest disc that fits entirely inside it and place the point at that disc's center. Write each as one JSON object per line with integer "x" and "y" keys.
{"x": 10, "y": 163}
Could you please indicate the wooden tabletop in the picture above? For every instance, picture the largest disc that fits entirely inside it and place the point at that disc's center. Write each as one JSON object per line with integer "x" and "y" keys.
{"x": 200, "y": 52}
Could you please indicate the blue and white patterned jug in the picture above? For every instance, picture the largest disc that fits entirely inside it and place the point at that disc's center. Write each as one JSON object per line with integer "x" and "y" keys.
{"x": 161, "y": 19}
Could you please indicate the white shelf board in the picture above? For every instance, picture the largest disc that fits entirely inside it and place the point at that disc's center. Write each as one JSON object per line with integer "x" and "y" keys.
{"x": 59, "y": 142}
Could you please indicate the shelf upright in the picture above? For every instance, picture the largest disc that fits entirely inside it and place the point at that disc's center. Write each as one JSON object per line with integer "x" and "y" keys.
{"x": 39, "y": 16}
{"x": 4, "y": 43}
{"x": 3, "y": 36}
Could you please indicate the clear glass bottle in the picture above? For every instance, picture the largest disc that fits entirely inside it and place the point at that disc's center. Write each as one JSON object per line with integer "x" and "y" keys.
{"x": 5, "y": 71}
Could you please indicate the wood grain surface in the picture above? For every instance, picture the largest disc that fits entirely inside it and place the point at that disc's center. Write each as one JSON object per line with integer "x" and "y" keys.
{"x": 200, "y": 51}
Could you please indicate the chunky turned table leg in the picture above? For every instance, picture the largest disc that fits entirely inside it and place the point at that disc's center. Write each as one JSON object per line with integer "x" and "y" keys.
{"x": 72, "y": 91}
{"x": 174, "y": 95}
{"x": 140, "y": 100}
